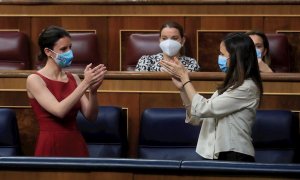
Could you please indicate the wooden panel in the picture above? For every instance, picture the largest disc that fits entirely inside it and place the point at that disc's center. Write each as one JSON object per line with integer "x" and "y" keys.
{"x": 64, "y": 175}
{"x": 150, "y": 9}
{"x": 209, "y": 33}
{"x": 13, "y": 98}
{"x": 204, "y": 176}
{"x": 111, "y": 175}
{"x": 21, "y": 24}
{"x": 288, "y": 102}
{"x": 93, "y": 175}
{"x": 156, "y": 177}
{"x": 208, "y": 57}
{"x": 274, "y": 24}
{"x": 28, "y": 130}
{"x": 13, "y": 83}
{"x": 231, "y": 23}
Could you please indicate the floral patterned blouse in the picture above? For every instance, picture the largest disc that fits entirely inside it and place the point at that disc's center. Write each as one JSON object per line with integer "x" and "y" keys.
{"x": 151, "y": 63}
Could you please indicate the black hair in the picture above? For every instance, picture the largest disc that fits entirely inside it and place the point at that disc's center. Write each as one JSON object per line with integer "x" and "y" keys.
{"x": 48, "y": 38}
{"x": 243, "y": 62}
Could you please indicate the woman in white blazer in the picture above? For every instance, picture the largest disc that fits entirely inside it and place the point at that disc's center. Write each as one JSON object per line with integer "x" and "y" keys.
{"x": 227, "y": 117}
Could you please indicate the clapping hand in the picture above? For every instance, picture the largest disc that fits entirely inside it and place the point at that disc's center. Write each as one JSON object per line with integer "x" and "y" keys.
{"x": 94, "y": 76}
{"x": 176, "y": 69}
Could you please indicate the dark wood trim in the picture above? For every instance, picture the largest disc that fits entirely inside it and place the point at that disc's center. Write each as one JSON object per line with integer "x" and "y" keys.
{"x": 153, "y": 2}
{"x": 132, "y": 75}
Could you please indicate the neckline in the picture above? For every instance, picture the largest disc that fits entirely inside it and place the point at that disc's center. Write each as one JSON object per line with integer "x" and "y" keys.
{"x": 67, "y": 74}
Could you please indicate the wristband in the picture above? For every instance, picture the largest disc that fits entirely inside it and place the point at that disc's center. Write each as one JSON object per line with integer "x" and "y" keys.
{"x": 185, "y": 83}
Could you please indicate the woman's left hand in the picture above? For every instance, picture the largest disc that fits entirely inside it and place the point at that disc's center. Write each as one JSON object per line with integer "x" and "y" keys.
{"x": 175, "y": 68}
{"x": 101, "y": 72}
{"x": 177, "y": 82}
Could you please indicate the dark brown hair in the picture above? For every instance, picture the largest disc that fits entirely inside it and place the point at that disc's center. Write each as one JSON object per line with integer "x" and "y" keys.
{"x": 262, "y": 35}
{"x": 243, "y": 62}
{"x": 172, "y": 24}
{"x": 48, "y": 38}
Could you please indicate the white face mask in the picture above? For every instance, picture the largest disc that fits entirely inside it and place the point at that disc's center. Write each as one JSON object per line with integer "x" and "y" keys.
{"x": 170, "y": 47}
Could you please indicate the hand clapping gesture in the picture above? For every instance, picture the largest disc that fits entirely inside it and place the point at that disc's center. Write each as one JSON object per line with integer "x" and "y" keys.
{"x": 176, "y": 69}
{"x": 94, "y": 76}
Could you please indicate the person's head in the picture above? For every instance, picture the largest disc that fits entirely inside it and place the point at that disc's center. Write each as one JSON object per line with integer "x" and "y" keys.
{"x": 55, "y": 42}
{"x": 262, "y": 44}
{"x": 240, "y": 54}
{"x": 171, "y": 38}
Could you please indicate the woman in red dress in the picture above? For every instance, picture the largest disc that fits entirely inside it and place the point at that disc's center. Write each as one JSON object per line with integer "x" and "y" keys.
{"x": 56, "y": 96}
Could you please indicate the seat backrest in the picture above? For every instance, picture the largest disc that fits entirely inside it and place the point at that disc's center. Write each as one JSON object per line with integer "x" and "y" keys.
{"x": 9, "y": 133}
{"x": 139, "y": 44}
{"x": 281, "y": 60}
{"x": 108, "y": 135}
{"x": 165, "y": 135}
{"x": 85, "y": 50}
{"x": 14, "y": 51}
{"x": 275, "y": 135}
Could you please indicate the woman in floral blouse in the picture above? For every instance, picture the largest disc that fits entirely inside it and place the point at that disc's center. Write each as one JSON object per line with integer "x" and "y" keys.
{"x": 171, "y": 42}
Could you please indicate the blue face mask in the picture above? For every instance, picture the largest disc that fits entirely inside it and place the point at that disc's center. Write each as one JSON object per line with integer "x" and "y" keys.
{"x": 222, "y": 61}
{"x": 64, "y": 59}
{"x": 258, "y": 53}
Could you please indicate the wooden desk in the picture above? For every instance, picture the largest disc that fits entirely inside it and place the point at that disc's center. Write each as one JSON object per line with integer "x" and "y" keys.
{"x": 137, "y": 91}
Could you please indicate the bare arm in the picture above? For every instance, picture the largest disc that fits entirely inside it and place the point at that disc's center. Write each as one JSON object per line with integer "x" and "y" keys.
{"x": 263, "y": 67}
{"x": 89, "y": 106}
{"x": 37, "y": 89}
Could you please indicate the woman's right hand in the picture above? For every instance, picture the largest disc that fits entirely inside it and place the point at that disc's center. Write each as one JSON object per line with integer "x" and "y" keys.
{"x": 263, "y": 67}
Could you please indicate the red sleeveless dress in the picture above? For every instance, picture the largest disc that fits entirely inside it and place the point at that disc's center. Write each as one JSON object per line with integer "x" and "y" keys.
{"x": 59, "y": 137}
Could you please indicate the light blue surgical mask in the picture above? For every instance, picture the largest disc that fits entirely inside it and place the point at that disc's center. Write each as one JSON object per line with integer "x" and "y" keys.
{"x": 222, "y": 61}
{"x": 64, "y": 59}
{"x": 258, "y": 53}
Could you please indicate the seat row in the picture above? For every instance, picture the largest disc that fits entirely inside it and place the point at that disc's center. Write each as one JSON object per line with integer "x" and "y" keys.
{"x": 165, "y": 136}
{"x": 15, "y": 51}
{"x": 139, "y": 44}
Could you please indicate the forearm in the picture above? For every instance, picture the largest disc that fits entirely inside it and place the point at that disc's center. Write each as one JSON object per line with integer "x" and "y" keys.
{"x": 68, "y": 103}
{"x": 263, "y": 67}
{"x": 187, "y": 88}
{"x": 186, "y": 102}
{"x": 92, "y": 110}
